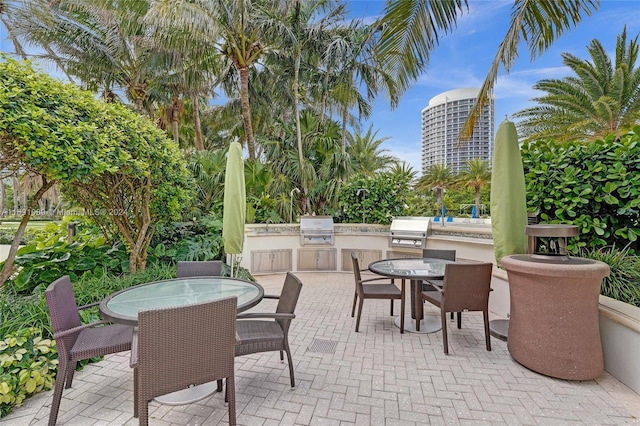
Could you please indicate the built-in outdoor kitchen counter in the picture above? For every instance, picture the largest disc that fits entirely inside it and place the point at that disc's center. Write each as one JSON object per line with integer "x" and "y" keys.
{"x": 274, "y": 248}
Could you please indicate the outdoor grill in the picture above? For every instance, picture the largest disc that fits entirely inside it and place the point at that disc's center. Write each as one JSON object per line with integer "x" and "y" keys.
{"x": 409, "y": 232}
{"x": 316, "y": 230}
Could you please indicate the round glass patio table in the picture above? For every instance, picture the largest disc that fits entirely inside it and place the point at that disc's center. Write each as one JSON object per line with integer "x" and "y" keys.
{"x": 123, "y": 306}
{"x": 416, "y": 270}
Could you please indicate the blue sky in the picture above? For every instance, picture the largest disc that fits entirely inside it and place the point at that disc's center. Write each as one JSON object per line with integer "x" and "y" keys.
{"x": 464, "y": 56}
{"x": 463, "y": 59}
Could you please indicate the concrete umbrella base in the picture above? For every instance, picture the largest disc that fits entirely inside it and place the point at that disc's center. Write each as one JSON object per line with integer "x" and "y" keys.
{"x": 554, "y": 327}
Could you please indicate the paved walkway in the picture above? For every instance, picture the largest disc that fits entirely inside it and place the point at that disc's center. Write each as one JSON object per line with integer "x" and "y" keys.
{"x": 374, "y": 377}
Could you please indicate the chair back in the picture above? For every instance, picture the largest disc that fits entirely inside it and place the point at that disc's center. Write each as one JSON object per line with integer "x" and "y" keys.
{"x": 208, "y": 268}
{"x": 288, "y": 299}
{"x": 466, "y": 287}
{"x": 63, "y": 312}
{"x": 356, "y": 274}
{"x": 439, "y": 254}
{"x": 187, "y": 345}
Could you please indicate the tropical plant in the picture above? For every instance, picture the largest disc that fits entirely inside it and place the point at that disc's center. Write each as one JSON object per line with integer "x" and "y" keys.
{"x": 302, "y": 31}
{"x": 595, "y": 186}
{"x": 476, "y": 175}
{"x": 436, "y": 178}
{"x": 601, "y": 98}
{"x": 367, "y": 157}
{"x": 28, "y": 365}
{"x": 50, "y": 256}
{"x": 623, "y": 282}
{"x": 217, "y": 27}
{"x": 413, "y": 28}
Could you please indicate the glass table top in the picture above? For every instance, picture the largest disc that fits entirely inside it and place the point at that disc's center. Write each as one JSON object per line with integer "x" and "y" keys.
{"x": 124, "y": 305}
{"x": 418, "y": 268}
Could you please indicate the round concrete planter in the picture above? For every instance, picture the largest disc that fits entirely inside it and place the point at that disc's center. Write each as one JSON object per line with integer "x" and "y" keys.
{"x": 554, "y": 315}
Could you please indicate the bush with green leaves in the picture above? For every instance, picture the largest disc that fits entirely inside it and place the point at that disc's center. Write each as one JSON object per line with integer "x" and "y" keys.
{"x": 374, "y": 199}
{"x": 28, "y": 364}
{"x": 200, "y": 239}
{"x": 595, "y": 186}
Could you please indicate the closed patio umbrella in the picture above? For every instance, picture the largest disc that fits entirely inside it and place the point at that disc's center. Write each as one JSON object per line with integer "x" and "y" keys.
{"x": 508, "y": 194}
{"x": 234, "y": 207}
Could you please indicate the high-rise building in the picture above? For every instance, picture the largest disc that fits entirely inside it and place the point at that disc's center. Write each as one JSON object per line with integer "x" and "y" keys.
{"x": 442, "y": 121}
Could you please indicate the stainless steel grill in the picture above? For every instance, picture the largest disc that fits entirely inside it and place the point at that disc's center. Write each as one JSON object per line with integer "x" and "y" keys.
{"x": 409, "y": 232}
{"x": 316, "y": 230}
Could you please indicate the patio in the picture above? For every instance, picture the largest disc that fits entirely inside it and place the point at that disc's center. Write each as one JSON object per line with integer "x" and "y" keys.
{"x": 374, "y": 377}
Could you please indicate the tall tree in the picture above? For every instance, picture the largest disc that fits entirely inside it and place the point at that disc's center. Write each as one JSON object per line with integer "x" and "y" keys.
{"x": 602, "y": 98}
{"x": 352, "y": 60}
{"x": 412, "y": 29}
{"x": 476, "y": 175}
{"x": 303, "y": 30}
{"x": 229, "y": 27}
{"x": 437, "y": 178}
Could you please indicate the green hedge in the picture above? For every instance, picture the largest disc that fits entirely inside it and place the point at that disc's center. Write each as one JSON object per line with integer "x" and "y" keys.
{"x": 593, "y": 185}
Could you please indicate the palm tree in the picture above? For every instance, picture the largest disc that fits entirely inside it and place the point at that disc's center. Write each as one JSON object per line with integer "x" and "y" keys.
{"x": 601, "y": 98}
{"x": 412, "y": 29}
{"x": 352, "y": 62}
{"x": 303, "y": 30}
{"x": 476, "y": 175}
{"x": 437, "y": 178}
{"x": 219, "y": 27}
{"x": 366, "y": 155}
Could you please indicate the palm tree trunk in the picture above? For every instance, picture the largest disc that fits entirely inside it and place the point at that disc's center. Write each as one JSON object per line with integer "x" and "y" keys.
{"x": 478, "y": 201}
{"x": 246, "y": 112}
{"x": 296, "y": 113}
{"x": 199, "y": 142}
{"x": 7, "y": 269}
{"x": 343, "y": 130}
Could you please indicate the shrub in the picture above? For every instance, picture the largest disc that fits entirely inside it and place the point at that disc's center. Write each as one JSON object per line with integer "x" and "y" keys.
{"x": 595, "y": 186}
{"x": 197, "y": 240}
{"x": 374, "y": 199}
{"x": 623, "y": 283}
{"x": 49, "y": 256}
{"x": 28, "y": 364}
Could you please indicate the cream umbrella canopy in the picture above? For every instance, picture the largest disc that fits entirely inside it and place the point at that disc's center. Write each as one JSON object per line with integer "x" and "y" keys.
{"x": 508, "y": 194}
{"x": 234, "y": 205}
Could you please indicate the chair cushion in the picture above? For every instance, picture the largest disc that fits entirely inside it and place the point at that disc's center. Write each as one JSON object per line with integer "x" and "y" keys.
{"x": 381, "y": 290}
{"x": 434, "y": 297}
{"x": 258, "y": 336}
{"x": 100, "y": 341}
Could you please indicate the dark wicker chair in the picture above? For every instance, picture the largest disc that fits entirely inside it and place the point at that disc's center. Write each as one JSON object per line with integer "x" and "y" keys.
{"x": 256, "y": 334}
{"x": 382, "y": 289}
{"x": 177, "y": 347}
{"x": 209, "y": 268}
{"x": 466, "y": 287}
{"x": 445, "y": 254}
{"x": 76, "y": 341}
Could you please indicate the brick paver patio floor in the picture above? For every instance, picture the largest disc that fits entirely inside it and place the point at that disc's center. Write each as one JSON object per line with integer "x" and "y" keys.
{"x": 375, "y": 377}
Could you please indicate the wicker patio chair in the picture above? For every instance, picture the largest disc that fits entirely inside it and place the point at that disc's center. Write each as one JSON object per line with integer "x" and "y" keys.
{"x": 428, "y": 285}
{"x": 76, "y": 341}
{"x": 267, "y": 332}
{"x": 374, "y": 288}
{"x": 466, "y": 287}
{"x": 209, "y": 268}
{"x": 175, "y": 348}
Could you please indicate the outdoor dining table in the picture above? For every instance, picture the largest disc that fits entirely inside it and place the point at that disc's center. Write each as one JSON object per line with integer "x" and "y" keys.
{"x": 416, "y": 270}
{"x": 123, "y": 306}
